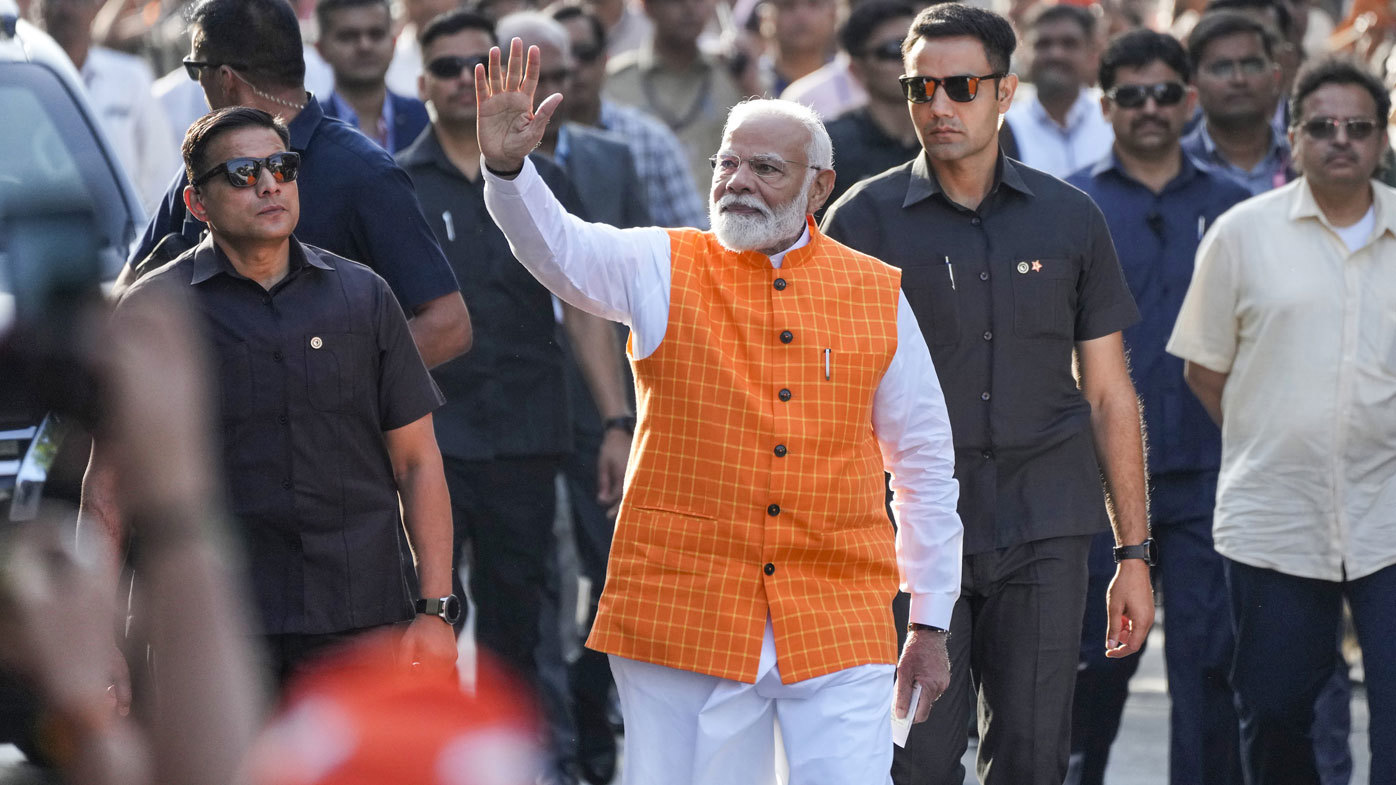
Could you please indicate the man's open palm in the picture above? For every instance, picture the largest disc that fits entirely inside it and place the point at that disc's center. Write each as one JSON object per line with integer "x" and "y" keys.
{"x": 506, "y": 124}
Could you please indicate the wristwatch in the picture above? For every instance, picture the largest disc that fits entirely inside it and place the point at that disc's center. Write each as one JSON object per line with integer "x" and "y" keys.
{"x": 447, "y": 608}
{"x": 625, "y": 423}
{"x": 916, "y": 627}
{"x": 1144, "y": 550}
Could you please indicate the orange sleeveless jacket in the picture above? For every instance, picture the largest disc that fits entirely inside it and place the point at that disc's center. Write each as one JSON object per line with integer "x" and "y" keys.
{"x": 756, "y": 483}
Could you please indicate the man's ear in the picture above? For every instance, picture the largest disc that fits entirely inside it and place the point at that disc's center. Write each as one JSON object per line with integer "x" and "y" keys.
{"x": 1007, "y": 87}
{"x": 820, "y": 189}
{"x": 194, "y": 203}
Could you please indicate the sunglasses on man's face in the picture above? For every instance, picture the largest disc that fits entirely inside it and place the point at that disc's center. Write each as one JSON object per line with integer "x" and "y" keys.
{"x": 450, "y": 66}
{"x": 887, "y": 51}
{"x": 192, "y": 67}
{"x": 244, "y": 172}
{"x": 960, "y": 89}
{"x": 1358, "y": 128}
{"x": 1133, "y": 96}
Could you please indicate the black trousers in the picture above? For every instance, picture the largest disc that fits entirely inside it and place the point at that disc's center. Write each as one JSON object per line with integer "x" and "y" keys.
{"x": 288, "y": 654}
{"x": 1014, "y": 640}
{"x": 504, "y": 509}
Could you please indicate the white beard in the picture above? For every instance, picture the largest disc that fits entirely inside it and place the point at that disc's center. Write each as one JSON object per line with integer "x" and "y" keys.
{"x": 739, "y": 232}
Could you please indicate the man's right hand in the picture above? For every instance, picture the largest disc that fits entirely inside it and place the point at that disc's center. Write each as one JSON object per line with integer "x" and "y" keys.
{"x": 506, "y": 125}
{"x": 925, "y": 661}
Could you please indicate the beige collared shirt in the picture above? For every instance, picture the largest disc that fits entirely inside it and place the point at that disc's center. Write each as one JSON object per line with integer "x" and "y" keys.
{"x": 1306, "y": 331}
{"x": 693, "y": 102}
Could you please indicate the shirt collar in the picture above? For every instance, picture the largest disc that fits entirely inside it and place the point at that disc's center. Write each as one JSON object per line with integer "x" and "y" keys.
{"x": 1278, "y": 146}
{"x": 923, "y": 183}
{"x": 1111, "y": 163}
{"x": 427, "y": 150}
{"x": 306, "y": 122}
{"x": 1303, "y": 205}
{"x": 563, "y": 146}
{"x": 1079, "y": 112}
{"x": 209, "y": 260}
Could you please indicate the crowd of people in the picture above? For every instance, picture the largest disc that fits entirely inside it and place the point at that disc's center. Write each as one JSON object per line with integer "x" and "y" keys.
{"x": 1098, "y": 317}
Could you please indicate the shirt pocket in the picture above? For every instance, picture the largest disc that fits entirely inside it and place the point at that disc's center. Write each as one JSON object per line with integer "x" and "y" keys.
{"x": 332, "y": 369}
{"x": 1044, "y": 291}
{"x": 931, "y": 294}
{"x": 235, "y": 381}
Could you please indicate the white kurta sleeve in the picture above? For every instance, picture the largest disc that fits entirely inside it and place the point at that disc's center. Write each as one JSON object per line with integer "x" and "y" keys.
{"x": 618, "y": 274}
{"x": 913, "y": 429}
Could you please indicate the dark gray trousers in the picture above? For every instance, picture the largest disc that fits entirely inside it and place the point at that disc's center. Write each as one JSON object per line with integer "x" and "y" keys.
{"x": 1015, "y": 637}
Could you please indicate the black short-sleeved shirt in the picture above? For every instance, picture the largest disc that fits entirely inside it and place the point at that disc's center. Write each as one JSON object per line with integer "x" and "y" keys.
{"x": 355, "y": 203}
{"x": 311, "y": 374}
{"x": 1002, "y": 294}
{"x": 507, "y": 396}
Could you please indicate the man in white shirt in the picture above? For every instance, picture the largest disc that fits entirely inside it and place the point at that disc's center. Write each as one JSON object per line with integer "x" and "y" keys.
{"x": 119, "y": 88}
{"x": 1059, "y": 127}
{"x": 1288, "y": 331}
{"x": 683, "y": 614}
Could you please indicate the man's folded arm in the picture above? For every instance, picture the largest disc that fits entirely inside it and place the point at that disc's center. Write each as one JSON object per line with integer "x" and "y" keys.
{"x": 913, "y": 428}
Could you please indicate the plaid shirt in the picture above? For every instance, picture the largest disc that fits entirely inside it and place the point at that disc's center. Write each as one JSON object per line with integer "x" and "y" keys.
{"x": 671, "y": 195}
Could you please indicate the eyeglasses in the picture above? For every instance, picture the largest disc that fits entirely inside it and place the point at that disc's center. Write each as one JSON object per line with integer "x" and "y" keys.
{"x": 887, "y": 50}
{"x": 193, "y": 67}
{"x": 587, "y": 54}
{"x": 766, "y": 167}
{"x": 960, "y": 89}
{"x": 244, "y": 172}
{"x": 1133, "y": 96}
{"x": 1226, "y": 69}
{"x": 1358, "y": 128}
{"x": 450, "y": 66}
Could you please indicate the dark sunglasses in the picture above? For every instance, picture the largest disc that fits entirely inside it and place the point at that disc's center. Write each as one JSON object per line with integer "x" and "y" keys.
{"x": 244, "y": 172}
{"x": 450, "y": 66}
{"x": 1133, "y": 96}
{"x": 587, "y": 54}
{"x": 960, "y": 89}
{"x": 887, "y": 50}
{"x": 1358, "y": 128}
{"x": 193, "y": 67}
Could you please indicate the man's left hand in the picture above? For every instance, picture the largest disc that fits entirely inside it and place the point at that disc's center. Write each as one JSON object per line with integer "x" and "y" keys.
{"x": 1130, "y": 600}
{"x": 610, "y": 469}
{"x": 429, "y": 645}
{"x": 925, "y": 661}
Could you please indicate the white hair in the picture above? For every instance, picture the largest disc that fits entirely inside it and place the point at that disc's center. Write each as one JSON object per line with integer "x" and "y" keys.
{"x": 534, "y": 27}
{"x": 819, "y": 151}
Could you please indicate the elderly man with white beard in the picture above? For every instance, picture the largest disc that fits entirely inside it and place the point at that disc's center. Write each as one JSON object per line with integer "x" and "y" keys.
{"x": 778, "y": 374}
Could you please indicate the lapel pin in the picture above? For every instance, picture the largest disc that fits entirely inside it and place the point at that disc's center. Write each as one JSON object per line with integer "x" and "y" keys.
{"x": 1036, "y": 266}
{"x": 316, "y": 343}
{"x": 1022, "y": 267}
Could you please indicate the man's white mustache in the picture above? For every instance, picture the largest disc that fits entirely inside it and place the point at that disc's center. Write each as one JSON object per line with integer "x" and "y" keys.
{"x": 744, "y": 200}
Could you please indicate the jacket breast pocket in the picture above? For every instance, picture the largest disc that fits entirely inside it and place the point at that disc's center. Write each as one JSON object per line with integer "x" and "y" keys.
{"x": 932, "y": 298}
{"x": 333, "y": 369}
{"x": 1044, "y": 298}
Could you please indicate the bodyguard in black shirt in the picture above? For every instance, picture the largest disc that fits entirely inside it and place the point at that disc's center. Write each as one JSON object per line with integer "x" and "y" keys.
{"x": 326, "y": 408}
{"x": 1014, "y": 281}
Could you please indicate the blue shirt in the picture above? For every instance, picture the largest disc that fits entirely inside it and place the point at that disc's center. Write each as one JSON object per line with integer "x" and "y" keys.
{"x": 1157, "y": 237}
{"x": 402, "y": 121}
{"x": 355, "y": 203}
{"x": 1272, "y": 172}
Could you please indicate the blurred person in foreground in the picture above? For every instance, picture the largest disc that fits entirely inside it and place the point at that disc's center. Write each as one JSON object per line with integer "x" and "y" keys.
{"x": 1059, "y": 128}
{"x": 56, "y": 609}
{"x": 1288, "y": 341}
{"x": 1158, "y": 205}
{"x": 356, "y": 41}
{"x": 671, "y": 198}
{"x": 119, "y": 88}
{"x": 326, "y": 408}
{"x": 778, "y": 374}
{"x": 1015, "y": 282}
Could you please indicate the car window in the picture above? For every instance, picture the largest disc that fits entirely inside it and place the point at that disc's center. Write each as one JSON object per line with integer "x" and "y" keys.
{"x": 48, "y": 149}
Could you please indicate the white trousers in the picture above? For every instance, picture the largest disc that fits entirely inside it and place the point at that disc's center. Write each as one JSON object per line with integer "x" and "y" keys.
{"x": 684, "y": 728}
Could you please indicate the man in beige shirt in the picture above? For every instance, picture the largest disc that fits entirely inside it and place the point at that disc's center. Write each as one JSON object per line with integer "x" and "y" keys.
{"x": 1289, "y": 336}
{"x": 671, "y": 78}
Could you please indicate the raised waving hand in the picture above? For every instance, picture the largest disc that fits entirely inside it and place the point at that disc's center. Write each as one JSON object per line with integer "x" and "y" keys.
{"x": 506, "y": 124}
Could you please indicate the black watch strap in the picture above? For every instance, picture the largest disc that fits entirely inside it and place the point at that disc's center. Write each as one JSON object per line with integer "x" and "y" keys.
{"x": 448, "y": 608}
{"x": 1144, "y": 551}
